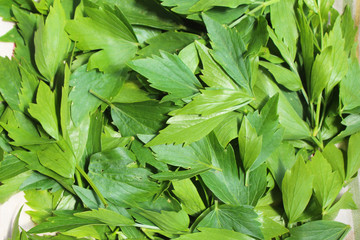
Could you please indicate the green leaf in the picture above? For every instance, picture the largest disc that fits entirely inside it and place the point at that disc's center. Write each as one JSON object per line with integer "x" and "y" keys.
{"x": 179, "y": 175}
{"x": 88, "y": 197}
{"x": 83, "y": 102}
{"x": 62, "y": 223}
{"x": 117, "y": 181}
{"x": 281, "y": 160}
{"x": 187, "y": 128}
{"x": 212, "y": 101}
{"x": 106, "y": 216}
{"x": 212, "y": 74}
{"x": 285, "y": 27}
{"x": 348, "y": 28}
{"x": 51, "y": 42}
{"x": 10, "y": 167}
{"x": 57, "y": 157}
{"x": 148, "y": 13}
{"x": 227, "y": 130}
{"x": 11, "y": 186}
{"x": 168, "y": 73}
{"x": 45, "y": 110}
{"x": 327, "y": 184}
{"x": 349, "y": 88}
{"x": 272, "y": 229}
{"x": 39, "y": 181}
{"x": 140, "y": 118}
{"x": 267, "y": 126}
{"x": 215, "y": 234}
{"x": 189, "y": 197}
{"x": 321, "y": 229}
{"x": 203, "y": 5}
{"x": 242, "y": 219}
{"x": 169, "y": 221}
{"x": 353, "y": 156}
{"x": 41, "y": 204}
{"x": 10, "y": 82}
{"x": 283, "y": 76}
{"x": 296, "y": 189}
{"x": 131, "y": 92}
{"x": 229, "y": 50}
{"x": 321, "y": 73}
{"x": 249, "y": 144}
{"x": 171, "y": 42}
{"x": 345, "y": 202}
{"x": 107, "y": 30}
{"x": 335, "y": 157}
{"x": 190, "y": 57}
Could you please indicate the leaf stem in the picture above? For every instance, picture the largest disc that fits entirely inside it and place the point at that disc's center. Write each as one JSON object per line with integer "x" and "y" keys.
{"x": 78, "y": 178}
{"x": 317, "y": 142}
{"x": 264, "y": 4}
{"x": 101, "y": 98}
{"x": 317, "y": 117}
{"x": 91, "y": 183}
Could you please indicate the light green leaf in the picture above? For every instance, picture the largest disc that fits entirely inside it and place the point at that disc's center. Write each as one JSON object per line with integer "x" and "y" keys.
{"x": 348, "y": 28}
{"x": 190, "y": 57}
{"x": 187, "y": 129}
{"x": 321, "y": 73}
{"x": 335, "y": 157}
{"x": 83, "y": 103}
{"x": 327, "y": 184}
{"x": 229, "y": 50}
{"x": 321, "y": 229}
{"x": 131, "y": 92}
{"x": 267, "y": 126}
{"x": 349, "y": 88}
{"x": 345, "y": 202}
{"x": 215, "y": 234}
{"x": 339, "y": 58}
{"x": 280, "y": 161}
{"x": 296, "y": 189}
{"x": 51, "y": 42}
{"x": 107, "y": 30}
{"x": 140, "y": 118}
{"x": 11, "y": 186}
{"x": 169, "y": 221}
{"x": 353, "y": 156}
{"x": 239, "y": 218}
{"x": 179, "y": 175}
{"x": 283, "y": 76}
{"x": 170, "y": 41}
{"x": 203, "y": 5}
{"x": 249, "y": 144}
{"x": 10, "y": 82}
{"x": 212, "y": 74}
{"x": 272, "y": 229}
{"x": 168, "y": 73}
{"x": 45, "y": 110}
{"x": 212, "y": 101}
{"x": 106, "y": 216}
{"x": 285, "y": 27}
{"x": 111, "y": 172}
{"x": 189, "y": 197}
{"x": 227, "y": 130}
{"x": 57, "y": 157}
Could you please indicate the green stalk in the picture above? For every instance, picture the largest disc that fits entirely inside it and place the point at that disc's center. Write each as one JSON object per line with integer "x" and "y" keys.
{"x": 78, "y": 178}
{"x": 98, "y": 193}
{"x": 263, "y": 5}
{"x": 317, "y": 117}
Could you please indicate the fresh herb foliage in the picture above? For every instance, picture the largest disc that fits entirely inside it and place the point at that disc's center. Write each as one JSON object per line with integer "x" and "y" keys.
{"x": 193, "y": 119}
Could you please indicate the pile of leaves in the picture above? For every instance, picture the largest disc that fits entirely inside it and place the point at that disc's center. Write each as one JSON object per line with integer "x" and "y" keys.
{"x": 192, "y": 119}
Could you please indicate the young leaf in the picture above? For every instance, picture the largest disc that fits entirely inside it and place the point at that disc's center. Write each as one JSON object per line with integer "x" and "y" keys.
{"x": 168, "y": 73}
{"x": 212, "y": 74}
{"x": 106, "y": 216}
{"x": 189, "y": 196}
{"x": 327, "y": 184}
{"x": 215, "y": 234}
{"x": 296, "y": 189}
{"x": 353, "y": 156}
{"x": 83, "y": 103}
{"x": 283, "y": 76}
{"x": 249, "y": 144}
{"x": 321, "y": 229}
{"x": 45, "y": 110}
{"x": 51, "y": 42}
{"x": 239, "y": 218}
{"x": 229, "y": 50}
{"x": 107, "y": 30}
